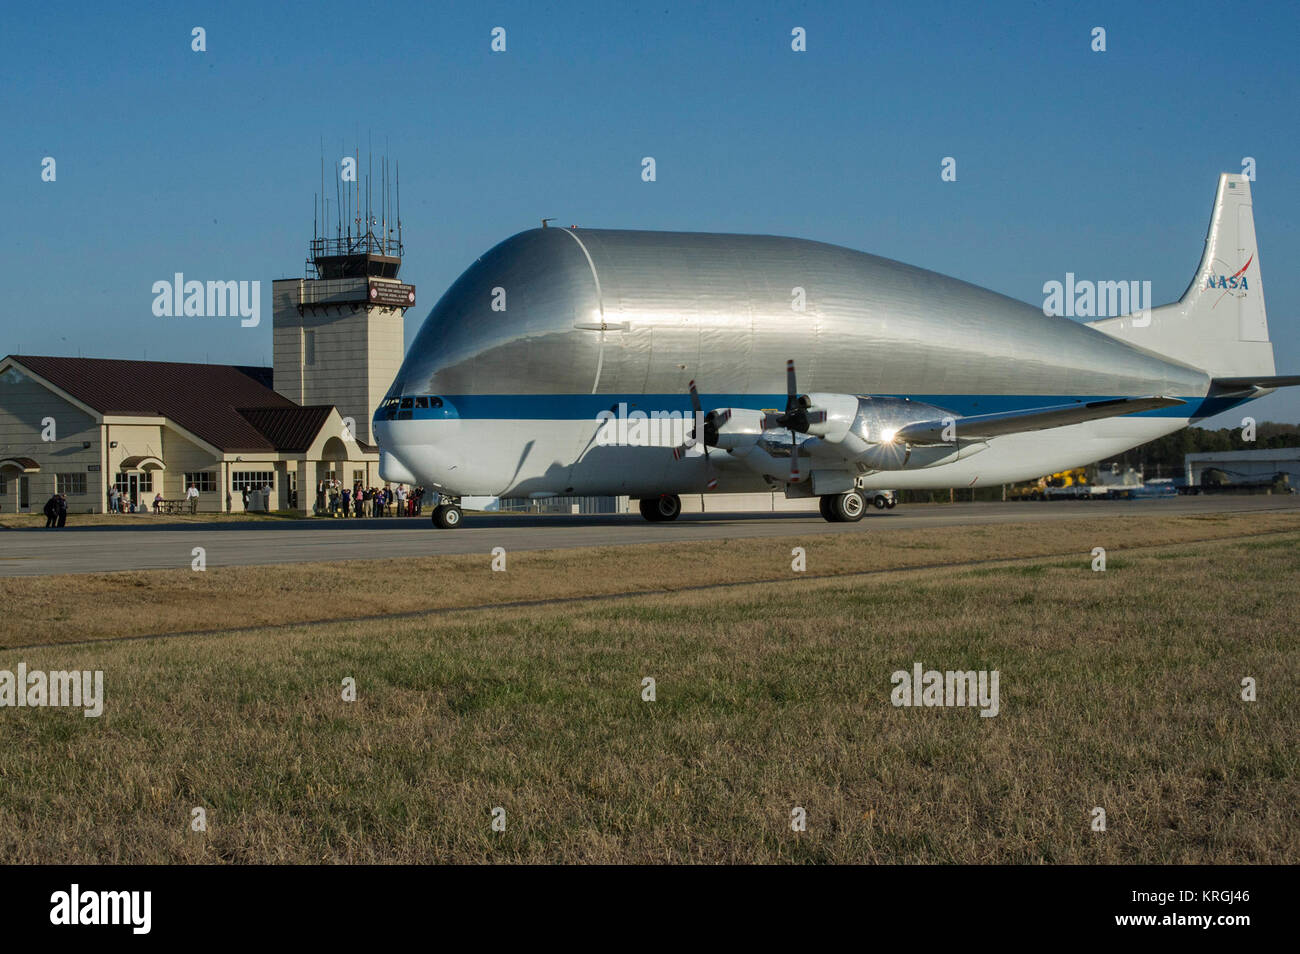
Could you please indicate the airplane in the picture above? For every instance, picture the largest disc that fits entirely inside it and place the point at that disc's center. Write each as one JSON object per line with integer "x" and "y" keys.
{"x": 569, "y": 362}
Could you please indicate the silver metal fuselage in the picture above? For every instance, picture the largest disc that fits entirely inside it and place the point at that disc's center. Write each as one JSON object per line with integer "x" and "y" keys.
{"x": 554, "y": 326}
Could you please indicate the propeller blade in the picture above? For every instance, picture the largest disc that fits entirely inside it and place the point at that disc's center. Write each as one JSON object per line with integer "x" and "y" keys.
{"x": 790, "y": 389}
{"x": 699, "y": 434}
{"x": 794, "y": 460}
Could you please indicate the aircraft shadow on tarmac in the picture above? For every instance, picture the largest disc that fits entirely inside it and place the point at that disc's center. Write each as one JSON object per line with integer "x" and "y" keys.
{"x": 472, "y": 521}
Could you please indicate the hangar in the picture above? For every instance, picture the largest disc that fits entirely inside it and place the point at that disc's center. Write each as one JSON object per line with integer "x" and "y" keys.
{"x": 1246, "y": 466}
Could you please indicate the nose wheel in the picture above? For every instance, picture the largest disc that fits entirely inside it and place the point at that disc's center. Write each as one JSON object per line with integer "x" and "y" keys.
{"x": 446, "y": 516}
{"x": 661, "y": 509}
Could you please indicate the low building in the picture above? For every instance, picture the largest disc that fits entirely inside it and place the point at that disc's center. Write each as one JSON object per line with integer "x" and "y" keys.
{"x": 83, "y": 426}
{"x": 1245, "y": 466}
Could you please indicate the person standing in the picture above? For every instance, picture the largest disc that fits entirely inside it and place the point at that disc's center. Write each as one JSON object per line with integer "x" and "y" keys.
{"x": 51, "y": 511}
{"x": 62, "y": 510}
{"x": 192, "y": 495}
{"x": 112, "y": 499}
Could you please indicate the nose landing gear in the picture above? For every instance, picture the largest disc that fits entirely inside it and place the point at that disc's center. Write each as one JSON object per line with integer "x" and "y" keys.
{"x": 447, "y": 515}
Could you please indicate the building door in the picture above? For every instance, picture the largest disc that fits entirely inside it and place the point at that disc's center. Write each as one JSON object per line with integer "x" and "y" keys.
{"x": 24, "y": 493}
{"x": 133, "y": 488}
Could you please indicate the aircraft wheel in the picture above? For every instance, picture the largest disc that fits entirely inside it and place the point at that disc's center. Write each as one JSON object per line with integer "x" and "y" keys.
{"x": 662, "y": 508}
{"x": 891, "y": 503}
{"x": 446, "y": 517}
{"x": 849, "y": 507}
{"x": 827, "y": 507}
{"x": 880, "y": 501}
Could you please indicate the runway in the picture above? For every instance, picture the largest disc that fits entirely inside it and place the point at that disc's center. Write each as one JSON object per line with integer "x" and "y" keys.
{"x": 99, "y": 549}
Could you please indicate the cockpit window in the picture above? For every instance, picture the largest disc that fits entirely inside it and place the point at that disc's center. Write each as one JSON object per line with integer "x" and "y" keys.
{"x": 422, "y": 402}
{"x": 406, "y": 403}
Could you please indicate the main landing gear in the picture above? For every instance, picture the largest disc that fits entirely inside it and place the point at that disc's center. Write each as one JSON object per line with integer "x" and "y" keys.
{"x": 843, "y": 508}
{"x": 662, "y": 508}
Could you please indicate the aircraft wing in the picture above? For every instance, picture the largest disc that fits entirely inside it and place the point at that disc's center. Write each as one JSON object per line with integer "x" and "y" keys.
{"x": 1222, "y": 386}
{"x": 984, "y": 426}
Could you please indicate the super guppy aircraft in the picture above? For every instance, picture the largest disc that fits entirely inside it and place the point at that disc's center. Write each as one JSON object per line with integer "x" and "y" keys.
{"x": 651, "y": 364}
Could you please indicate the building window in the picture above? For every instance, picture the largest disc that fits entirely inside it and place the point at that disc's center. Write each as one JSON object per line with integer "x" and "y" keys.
{"x": 70, "y": 483}
{"x": 144, "y": 481}
{"x": 204, "y": 480}
{"x": 4, "y": 487}
{"x": 358, "y": 477}
{"x": 241, "y": 480}
{"x": 309, "y": 348}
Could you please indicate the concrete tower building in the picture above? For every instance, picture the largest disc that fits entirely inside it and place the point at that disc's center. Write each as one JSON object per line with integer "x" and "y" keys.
{"x": 338, "y": 333}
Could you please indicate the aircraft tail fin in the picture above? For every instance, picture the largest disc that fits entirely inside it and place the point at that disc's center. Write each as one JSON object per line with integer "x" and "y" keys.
{"x": 1219, "y": 325}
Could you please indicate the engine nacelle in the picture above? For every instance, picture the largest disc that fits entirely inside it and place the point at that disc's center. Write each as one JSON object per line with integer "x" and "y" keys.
{"x": 868, "y": 439}
{"x": 733, "y": 427}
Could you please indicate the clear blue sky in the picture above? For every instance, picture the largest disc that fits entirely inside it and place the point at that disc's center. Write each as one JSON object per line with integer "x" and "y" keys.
{"x": 206, "y": 163}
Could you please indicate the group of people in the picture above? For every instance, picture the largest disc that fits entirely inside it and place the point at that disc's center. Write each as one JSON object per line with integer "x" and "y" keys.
{"x": 56, "y": 510}
{"x": 119, "y": 502}
{"x": 336, "y": 500}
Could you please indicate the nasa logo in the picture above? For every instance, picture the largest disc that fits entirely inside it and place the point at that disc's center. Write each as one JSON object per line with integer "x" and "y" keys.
{"x": 1233, "y": 282}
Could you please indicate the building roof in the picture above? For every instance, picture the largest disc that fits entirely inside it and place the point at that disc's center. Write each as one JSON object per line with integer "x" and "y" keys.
{"x": 1259, "y": 454}
{"x": 231, "y": 407}
{"x": 290, "y": 429}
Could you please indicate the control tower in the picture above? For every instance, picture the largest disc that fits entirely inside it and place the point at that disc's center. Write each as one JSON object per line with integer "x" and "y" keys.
{"x": 338, "y": 333}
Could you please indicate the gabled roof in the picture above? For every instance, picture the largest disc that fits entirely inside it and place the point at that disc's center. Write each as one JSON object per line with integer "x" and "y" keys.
{"x": 289, "y": 429}
{"x": 204, "y": 399}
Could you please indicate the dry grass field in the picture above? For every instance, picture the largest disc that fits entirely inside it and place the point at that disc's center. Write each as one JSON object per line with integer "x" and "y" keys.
{"x": 1119, "y": 689}
{"x": 18, "y": 521}
{"x": 61, "y": 609}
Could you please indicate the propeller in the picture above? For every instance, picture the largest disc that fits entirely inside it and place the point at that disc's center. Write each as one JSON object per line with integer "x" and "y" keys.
{"x": 798, "y": 417}
{"x": 712, "y": 421}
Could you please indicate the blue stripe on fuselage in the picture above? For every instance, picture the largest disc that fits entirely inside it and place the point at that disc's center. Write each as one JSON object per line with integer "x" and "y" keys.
{"x": 577, "y": 407}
